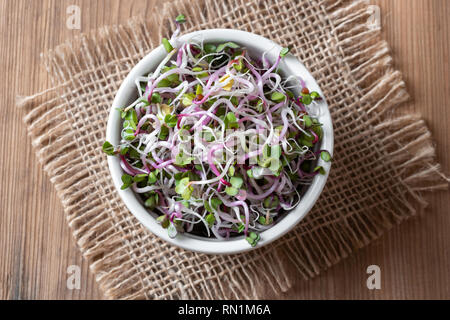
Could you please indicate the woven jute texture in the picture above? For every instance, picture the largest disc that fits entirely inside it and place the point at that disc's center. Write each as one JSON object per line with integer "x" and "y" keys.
{"x": 382, "y": 164}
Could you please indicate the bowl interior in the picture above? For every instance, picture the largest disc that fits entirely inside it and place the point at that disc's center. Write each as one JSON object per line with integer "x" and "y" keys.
{"x": 255, "y": 45}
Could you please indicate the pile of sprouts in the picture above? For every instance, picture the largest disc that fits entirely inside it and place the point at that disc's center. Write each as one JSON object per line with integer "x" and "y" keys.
{"x": 217, "y": 144}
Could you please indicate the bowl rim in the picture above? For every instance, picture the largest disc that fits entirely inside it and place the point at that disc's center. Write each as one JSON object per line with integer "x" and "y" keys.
{"x": 239, "y": 244}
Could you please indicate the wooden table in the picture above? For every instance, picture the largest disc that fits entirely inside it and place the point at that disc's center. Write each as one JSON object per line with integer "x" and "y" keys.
{"x": 36, "y": 247}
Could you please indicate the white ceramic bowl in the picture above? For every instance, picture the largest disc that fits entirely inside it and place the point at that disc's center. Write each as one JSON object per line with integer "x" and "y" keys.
{"x": 127, "y": 93}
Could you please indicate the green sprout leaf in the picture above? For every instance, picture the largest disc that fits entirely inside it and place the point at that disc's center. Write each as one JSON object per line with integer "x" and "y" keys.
{"x": 262, "y": 220}
{"x": 259, "y": 106}
{"x": 184, "y": 189}
{"x": 163, "y": 221}
{"x": 156, "y": 98}
{"x": 167, "y": 45}
{"x": 127, "y": 181}
{"x": 231, "y": 121}
{"x": 198, "y": 89}
{"x": 209, "y": 48}
{"x": 187, "y": 99}
{"x": 122, "y": 113}
{"x": 152, "y": 177}
{"x": 239, "y": 65}
{"x": 207, "y": 135}
{"x": 222, "y": 46}
{"x": 215, "y": 203}
{"x": 182, "y": 160}
{"x": 164, "y": 83}
{"x": 325, "y": 155}
{"x": 306, "y": 140}
{"x": 145, "y": 102}
{"x": 271, "y": 202}
{"x": 108, "y": 148}
{"x": 178, "y": 176}
{"x": 307, "y": 120}
{"x": 284, "y": 51}
{"x": 171, "y": 120}
{"x": 173, "y": 78}
{"x": 164, "y": 133}
{"x": 275, "y": 166}
{"x": 254, "y": 235}
{"x": 124, "y": 150}
{"x": 131, "y": 117}
{"x": 134, "y": 154}
{"x": 320, "y": 169}
{"x": 128, "y": 134}
{"x": 234, "y": 100}
{"x": 185, "y": 203}
{"x": 277, "y": 96}
{"x": 314, "y": 95}
{"x": 231, "y": 191}
{"x": 236, "y": 182}
{"x": 167, "y": 68}
{"x": 210, "y": 219}
{"x": 253, "y": 238}
{"x": 140, "y": 177}
{"x": 129, "y": 125}
{"x": 306, "y": 99}
{"x": 275, "y": 151}
{"x": 180, "y": 18}
{"x": 152, "y": 201}
{"x": 318, "y": 130}
{"x": 290, "y": 94}
{"x": 269, "y": 159}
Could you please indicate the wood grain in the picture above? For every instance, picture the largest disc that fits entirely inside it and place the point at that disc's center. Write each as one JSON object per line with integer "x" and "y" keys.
{"x": 35, "y": 243}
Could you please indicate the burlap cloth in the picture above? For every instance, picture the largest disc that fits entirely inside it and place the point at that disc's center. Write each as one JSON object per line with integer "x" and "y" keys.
{"x": 382, "y": 162}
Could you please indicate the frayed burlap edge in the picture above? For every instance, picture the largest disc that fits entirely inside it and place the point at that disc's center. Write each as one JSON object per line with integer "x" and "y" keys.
{"x": 106, "y": 242}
